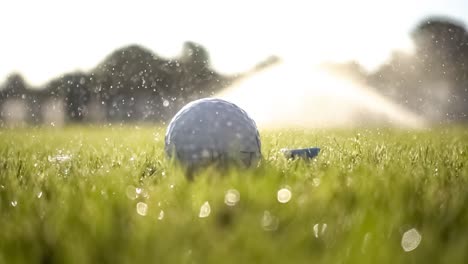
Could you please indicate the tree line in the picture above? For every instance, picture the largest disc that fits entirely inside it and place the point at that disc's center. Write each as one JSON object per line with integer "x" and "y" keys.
{"x": 131, "y": 84}
{"x": 135, "y": 84}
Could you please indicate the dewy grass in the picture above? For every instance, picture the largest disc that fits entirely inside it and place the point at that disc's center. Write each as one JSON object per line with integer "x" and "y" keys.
{"x": 108, "y": 195}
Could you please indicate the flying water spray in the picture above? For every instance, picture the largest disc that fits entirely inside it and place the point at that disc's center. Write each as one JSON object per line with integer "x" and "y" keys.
{"x": 296, "y": 95}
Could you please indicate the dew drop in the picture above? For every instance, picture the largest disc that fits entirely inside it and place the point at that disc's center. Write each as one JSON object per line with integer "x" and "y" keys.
{"x": 142, "y": 208}
{"x": 232, "y": 197}
{"x": 319, "y": 229}
{"x": 410, "y": 240}
{"x": 130, "y": 192}
{"x": 269, "y": 222}
{"x": 366, "y": 241}
{"x": 59, "y": 158}
{"x": 316, "y": 182}
{"x": 161, "y": 215}
{"x": 205, "y": 210}
{"x": 284, "y": 195}
{"x": 138, "y": 190}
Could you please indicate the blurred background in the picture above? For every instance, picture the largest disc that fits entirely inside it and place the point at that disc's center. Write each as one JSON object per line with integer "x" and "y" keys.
{"x": 288, "y": 63}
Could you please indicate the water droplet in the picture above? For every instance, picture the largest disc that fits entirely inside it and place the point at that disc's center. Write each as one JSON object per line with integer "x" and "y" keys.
{"x": 138, "y": 190}
{"x": 39, "y": 195}
{"x": 410, "y": 240}
{"x": 316, "y": 182}
{"x": 269, "y": 222}
{"x": 284, "y": 195}
{"x": 142, "y": 208}
{"x": 366, "y": 242}
{"x": 324, "y": 228}
{"x": 59, "y": 158}
{"x": 205, "y": 210}
{"x": 165, "y": 103}
{"x": 319, "y": 229}
{"x": 161, "y": 215}
{"x": 131, "y": 194}
{"x": 232, "y": 197}
{"x": 14, "y": 203}
{"x": 316, "y": 228}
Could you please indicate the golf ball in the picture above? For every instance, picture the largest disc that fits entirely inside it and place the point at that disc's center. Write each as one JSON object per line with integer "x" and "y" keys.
{"x": 210, "y": 130}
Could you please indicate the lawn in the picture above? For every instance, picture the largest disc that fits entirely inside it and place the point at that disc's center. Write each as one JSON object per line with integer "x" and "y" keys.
{"x": 108, "y": 195}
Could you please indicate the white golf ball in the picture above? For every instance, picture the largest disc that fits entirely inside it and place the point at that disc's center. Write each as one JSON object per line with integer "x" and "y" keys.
{"x": 208, "y": 131}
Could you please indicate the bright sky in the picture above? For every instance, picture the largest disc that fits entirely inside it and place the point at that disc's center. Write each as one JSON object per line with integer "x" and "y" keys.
{"x": 43, "y": 39}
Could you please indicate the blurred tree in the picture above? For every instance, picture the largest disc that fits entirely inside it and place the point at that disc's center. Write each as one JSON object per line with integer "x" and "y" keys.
{"x": 432, "y": 81}
{"x": 16, "y": 89}
{"x": 132, "y": 78}
{"x": 442, "y": 49}
{"x": 195, "y": 56}
{"x": 135, "y": 83}
{"x": 77, "y": 95}
{"x": 198, "y": 78}
{"x": 131, "y": 84}
{"x": 74, "y": 90}
{"x": 441, "y": 43}
{"x": 400, "y": 79}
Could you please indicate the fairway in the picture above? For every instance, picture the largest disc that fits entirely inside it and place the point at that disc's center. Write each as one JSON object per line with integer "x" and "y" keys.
{"x": 84, "y": 194}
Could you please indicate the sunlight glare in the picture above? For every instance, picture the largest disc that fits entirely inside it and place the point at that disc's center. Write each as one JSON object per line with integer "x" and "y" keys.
{"x": 291, "y": 95}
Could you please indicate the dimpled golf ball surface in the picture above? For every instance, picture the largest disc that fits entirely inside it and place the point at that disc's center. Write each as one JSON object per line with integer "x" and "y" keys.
{"x": 213, "y": 130}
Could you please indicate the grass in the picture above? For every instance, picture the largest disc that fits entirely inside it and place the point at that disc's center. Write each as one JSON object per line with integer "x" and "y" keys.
{"x": 108, "y": 195}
